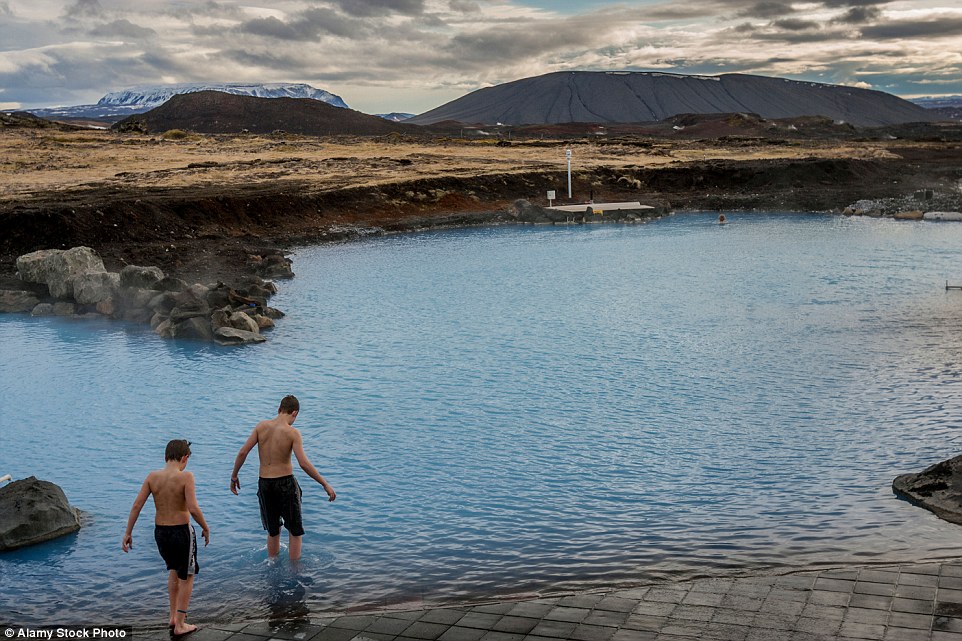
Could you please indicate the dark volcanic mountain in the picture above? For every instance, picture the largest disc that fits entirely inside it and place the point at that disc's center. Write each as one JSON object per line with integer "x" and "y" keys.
{"x": 214, "y": 112}
{"x": 623, "y": 96}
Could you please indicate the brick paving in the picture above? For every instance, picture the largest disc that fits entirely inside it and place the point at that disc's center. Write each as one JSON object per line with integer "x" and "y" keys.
{"x": 908, "y": 602}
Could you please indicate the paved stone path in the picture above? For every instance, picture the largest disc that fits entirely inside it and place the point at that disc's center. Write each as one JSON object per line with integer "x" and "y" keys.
{"x": 909, "y": 602}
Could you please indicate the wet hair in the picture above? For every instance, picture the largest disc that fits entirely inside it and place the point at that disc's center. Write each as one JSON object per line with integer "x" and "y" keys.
{"x": 289, "y": 405}
{"x": 177, "y": 449}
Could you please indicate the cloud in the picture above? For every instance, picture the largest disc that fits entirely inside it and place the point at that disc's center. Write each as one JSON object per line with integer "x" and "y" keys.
{"x": 124, "y": 29}
{"x": 858, "y": 15}
{"x": 84, "y": 9}
{"x": 308, "y": 25}
{"x": 5, "y": 9}
{"x": 369, "y": 8}
{"x": 766, "y": 10}
{"x": 464, "y": 6}
{"x": 936, "y": 28}
{"x": 793, "y": 24}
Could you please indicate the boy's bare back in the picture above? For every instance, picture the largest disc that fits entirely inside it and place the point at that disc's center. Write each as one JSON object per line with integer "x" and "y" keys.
{"x": 275, "y": 442}
{"x": 169, "y": 489}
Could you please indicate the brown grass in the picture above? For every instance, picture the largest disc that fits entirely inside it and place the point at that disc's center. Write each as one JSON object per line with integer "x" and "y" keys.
{"x": 40, "y": 161}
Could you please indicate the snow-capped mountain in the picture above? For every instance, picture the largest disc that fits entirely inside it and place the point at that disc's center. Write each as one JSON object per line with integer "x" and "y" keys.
{"x": 395, "y": 116}
{"x": 119, "y": 104}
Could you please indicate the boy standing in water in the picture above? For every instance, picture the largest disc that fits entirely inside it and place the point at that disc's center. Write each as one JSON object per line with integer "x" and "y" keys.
{"x": 175, "y": 501}
{"x": 277, "y": 489}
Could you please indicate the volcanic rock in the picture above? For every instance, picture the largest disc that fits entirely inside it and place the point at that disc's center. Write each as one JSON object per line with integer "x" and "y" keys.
{"x": 33, "y": 511}
{"x": 937, "y": 488}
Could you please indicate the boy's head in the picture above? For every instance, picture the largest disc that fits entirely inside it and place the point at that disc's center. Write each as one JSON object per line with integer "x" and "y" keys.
{"x": 177, "y": 449}
{"x": 289, "y": 405}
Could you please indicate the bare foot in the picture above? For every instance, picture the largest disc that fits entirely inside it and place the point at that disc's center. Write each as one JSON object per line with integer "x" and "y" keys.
{"x": 184, "y": 631}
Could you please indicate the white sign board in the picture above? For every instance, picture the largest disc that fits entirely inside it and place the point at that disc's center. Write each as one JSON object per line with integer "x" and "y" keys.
{"x": 568, "y": 154}
{"x": 551, "y": 195}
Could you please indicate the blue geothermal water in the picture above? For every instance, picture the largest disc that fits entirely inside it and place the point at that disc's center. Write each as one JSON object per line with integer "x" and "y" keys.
{"x": 510, "y": 410}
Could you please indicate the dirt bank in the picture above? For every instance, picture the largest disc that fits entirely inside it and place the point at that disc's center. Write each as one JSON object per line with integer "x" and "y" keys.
{"x": 202, "y": 219}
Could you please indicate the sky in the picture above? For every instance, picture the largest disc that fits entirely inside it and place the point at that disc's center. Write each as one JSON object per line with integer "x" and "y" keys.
{"x": 413, "y": 55}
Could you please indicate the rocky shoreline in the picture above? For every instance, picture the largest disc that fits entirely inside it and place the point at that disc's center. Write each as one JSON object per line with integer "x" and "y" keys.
{"x": 208, "y": 234}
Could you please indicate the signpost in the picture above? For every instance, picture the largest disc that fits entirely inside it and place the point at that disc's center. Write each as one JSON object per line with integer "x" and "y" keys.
{"x": 551, "y": 197}
{"x": 568, "y": 156}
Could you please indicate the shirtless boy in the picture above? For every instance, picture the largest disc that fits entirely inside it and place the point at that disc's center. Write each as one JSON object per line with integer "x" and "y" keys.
{"x": 175, "y": 502}
{"x": 277, "y": 489}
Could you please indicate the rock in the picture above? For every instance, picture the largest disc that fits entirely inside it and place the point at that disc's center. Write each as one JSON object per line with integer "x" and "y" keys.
{"x": 171, "y": 284}
{"x": 240, "y": 320}
{"x": 218, "y": 296}
{"x": 220, "y": 318}
{"x": 107, "y": 307}
{"x": 263, "y": 322}
{"x": 908, "y": 215}
{"x": 232, "y": 336}
{"x": 937, "y": 488}
{"x": 274, "y": 266}
{"x": 132, "y": 298}
{"x": 196, "y": 327}
{"x": 165, "y": 329}
{"x": 141, "y": 277}
{"x": 92, "y": 287}
{"x": 12, "y": 301}
{"x": 43, "y": 309}
{"x": 33, "y": 511}
{"x": 163, "y": 303}
{"x": 274, "y": 313}
{"x": 63, "y": 308}
{"x": 57, "y": 268}
{"x": 156, "y": 320}
{"x": 189, "y": 309}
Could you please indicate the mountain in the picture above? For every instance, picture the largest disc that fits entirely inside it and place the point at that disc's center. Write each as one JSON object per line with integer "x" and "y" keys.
{"x": 215, "y": 112}
{"x": 119, "y": 104}
{"x": 628, "y": 96}
{"x": 396, "y": 116}
{"x": 947, "y": 107}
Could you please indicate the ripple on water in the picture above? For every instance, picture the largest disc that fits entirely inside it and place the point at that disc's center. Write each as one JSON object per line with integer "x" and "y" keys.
{"x": 514, "y": 409}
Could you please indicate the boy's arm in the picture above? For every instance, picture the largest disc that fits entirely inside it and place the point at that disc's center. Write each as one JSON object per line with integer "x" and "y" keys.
{"x": 190, "y": 494}
{"x": 128, "y": 541}
{"x": 305, "y": 463}
{"x": 239, "y": 461}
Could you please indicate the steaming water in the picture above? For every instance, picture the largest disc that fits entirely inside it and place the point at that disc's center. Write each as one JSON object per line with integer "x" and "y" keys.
{"x": 514, "y": 409}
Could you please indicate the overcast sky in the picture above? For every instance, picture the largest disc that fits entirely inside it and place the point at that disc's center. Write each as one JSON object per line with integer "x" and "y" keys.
{"x": 413, "y": 55}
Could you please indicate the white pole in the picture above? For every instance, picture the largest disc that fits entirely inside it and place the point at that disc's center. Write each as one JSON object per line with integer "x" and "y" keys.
{"x": 568, "y": 156}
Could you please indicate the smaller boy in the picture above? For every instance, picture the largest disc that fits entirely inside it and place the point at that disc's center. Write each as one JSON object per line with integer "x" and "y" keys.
{"x": 175, "y": 501}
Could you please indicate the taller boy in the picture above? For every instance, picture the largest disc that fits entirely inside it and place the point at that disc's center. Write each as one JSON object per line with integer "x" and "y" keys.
{"x": 277, "y": 489}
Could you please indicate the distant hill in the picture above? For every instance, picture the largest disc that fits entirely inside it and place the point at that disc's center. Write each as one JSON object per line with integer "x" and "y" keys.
{"x": 25, "y": 120}
{"x": 623, "y": 97}
{"x": 217, "y": 112}
{"x": 396, "y": 116}
{"x": 947, "y": 107}
{"x": 117, "y": 105}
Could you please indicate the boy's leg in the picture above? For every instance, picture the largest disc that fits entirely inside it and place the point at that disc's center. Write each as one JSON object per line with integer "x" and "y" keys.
{"x": 173, "y": 583}
{"x": 294, "y": 549}
{"x": 184, "y": 589}
{"x": 273, "y": 545}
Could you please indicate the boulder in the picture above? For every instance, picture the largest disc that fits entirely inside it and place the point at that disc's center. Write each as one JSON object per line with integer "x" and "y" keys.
{"x": 274, "y": 266}
{"x": 196, "y": 327}
{"x": 271, "y": 312}
{"x": 165, "y": 329}
{"x": 263, "y": 322}
{"x": 240, "y": 320}
{"x": 43, "y": 309}
{"x": 220, "y": 318}
{"x": 107, "y": 307}
{"x": 189, "y": 309}
{"x": 12, "y": 301}
{"x": 57, "y": 268}
{"x": 908, "y": 215}
{"x": 163, "y": 303}
{"x": 232, "y": 336}
{"x": 141, "y": 277}
{"x": 135, "y": 297}
{"x": 63, "y": 308}
{"x": 92, "y": 287}
{"x": 171, "y": 284}
{"x": 937, "y": 488}
{"x": 33, "y": 511}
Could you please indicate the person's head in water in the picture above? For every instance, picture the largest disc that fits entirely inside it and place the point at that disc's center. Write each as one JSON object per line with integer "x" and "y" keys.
{"x": 721, "y": 218}
{"x": 289, "y": 405}
{"x": 177, "y": 450}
